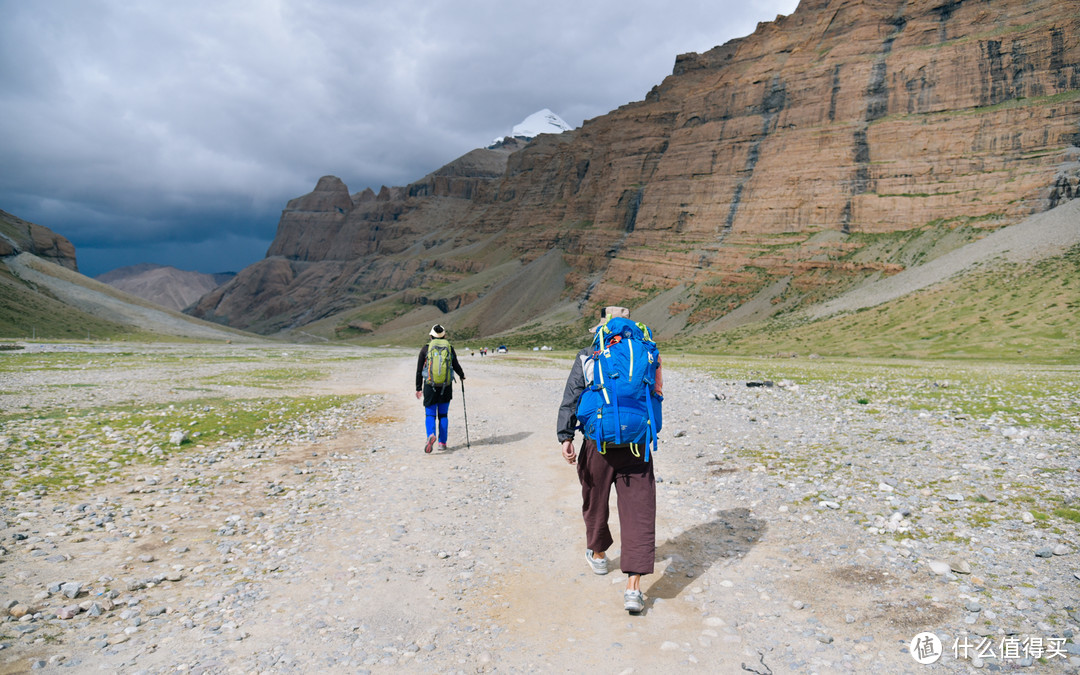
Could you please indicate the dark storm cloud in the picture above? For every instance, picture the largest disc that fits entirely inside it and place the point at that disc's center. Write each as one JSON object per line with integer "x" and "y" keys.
{"x": 177, "y": 130}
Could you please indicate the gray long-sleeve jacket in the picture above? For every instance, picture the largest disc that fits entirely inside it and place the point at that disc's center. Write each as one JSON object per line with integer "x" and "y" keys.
{"x": 575, "y": 384}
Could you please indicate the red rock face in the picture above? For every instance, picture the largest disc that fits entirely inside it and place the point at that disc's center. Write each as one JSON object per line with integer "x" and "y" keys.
{"x": 847, "y": 117}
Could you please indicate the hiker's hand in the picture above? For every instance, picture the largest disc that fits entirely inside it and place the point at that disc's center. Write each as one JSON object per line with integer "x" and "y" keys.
{"x": 419, "y": 394}
{"x": 568, "y": 452}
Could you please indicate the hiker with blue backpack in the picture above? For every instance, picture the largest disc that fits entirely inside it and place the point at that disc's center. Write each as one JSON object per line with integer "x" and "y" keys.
{"x": 613, "y": 395}
{"x": 435, "y": 370}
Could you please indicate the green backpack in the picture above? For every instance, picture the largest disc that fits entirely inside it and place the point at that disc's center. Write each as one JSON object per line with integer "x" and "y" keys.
{"x": 438, "y": 371}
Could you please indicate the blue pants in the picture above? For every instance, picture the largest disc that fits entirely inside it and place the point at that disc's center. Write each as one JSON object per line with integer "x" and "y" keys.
{"x": 437, "y": 413}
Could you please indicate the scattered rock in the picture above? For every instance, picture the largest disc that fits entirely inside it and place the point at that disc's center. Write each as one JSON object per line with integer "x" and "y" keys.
{"x": 938, "y": 567}
{"x": 960, "y": 566}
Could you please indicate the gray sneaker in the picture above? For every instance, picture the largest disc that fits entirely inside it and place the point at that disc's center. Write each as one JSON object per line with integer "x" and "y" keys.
{"x": 598, "y": 565}
{"x": 633, "y": 602}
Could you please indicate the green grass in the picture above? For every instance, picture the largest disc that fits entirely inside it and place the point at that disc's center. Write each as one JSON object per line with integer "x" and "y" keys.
{"x": 15, "y": 361}
{"x": 566, "y": 337}
{"x": 1072, "y": 515}
{"x": 1008, "y": 394}
{"x": 267, "y": 377}
{"x": 26, "y": 313}
{"x": 57, "y": 451}
{"x": 376, "y": 313}
{"x": 1015, "y": 313}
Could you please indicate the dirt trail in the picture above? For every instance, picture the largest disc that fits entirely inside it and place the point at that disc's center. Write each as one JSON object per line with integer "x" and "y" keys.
{"x": 333, "y": 543}
{"x": 359, "y": 551}
{"x": 532, "y": 602}
{"x": 551, "y": 604}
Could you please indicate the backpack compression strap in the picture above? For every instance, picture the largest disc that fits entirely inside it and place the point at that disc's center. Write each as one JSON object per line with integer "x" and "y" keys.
{"x": 652, "y": 427}
{"x": 598, "y": 385}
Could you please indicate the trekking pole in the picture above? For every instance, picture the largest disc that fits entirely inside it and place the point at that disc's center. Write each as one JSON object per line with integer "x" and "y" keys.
{"x": 465, "y": 408}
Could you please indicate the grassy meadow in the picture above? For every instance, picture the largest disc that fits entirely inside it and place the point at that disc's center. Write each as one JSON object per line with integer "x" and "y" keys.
{"x": 1012, "y": 313}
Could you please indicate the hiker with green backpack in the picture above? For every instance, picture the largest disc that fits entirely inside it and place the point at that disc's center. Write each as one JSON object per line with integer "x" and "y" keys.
{"x": 434, "y": 383}
{"x": 613, "y": 395}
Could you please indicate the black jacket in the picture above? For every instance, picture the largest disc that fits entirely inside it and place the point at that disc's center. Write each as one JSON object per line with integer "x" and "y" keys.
{"x": 575, "y": 384}
{"x": 434, "y": 395}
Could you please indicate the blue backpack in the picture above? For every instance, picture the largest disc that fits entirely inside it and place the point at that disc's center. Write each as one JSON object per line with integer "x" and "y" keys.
{"x": 619, "y": 404}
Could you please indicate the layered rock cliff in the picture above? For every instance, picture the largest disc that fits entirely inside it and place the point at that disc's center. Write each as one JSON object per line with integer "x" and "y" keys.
{"x": 334, "y": 251}
{"x": 840, "y": 143}
{"x": 20, "y": 236}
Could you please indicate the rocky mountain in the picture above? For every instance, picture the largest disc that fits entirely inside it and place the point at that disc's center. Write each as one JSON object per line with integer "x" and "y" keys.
{"x": 335, "y": 251}
{"x": 164, "y": 285}
{"x": 43, "y": 296}
{"x": 19, "y": 236}
{"x": 831, "y": 148}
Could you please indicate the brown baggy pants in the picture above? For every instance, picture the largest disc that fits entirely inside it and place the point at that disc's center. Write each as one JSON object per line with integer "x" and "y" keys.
{"x": 635, "y": 490}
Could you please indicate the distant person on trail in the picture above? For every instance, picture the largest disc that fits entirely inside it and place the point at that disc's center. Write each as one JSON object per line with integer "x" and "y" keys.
{"x": 626, "y": 465}
{"x": 435, "y": 370}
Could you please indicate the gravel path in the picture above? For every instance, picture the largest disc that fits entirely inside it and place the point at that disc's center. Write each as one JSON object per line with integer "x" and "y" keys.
{"x": 799, "y": 531}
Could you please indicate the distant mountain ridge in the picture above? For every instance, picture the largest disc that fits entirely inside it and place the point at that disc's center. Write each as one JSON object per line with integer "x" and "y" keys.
{"x": 165, "y": 285}
{"x": 43, "y": 296}
{"x": 841, "y": 144}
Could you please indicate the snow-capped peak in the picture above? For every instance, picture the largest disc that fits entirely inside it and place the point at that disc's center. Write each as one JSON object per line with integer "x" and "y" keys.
{"x": 541, "y": 122}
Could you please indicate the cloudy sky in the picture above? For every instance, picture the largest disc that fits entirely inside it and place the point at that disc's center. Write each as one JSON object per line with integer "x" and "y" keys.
{"x": 175, "y": 132}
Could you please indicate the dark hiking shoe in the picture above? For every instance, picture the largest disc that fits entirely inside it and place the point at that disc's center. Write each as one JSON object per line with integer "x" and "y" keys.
{"x": 430, "y": 443}
{"x": 633, "y": 602}
{"x": 598, "y": 565}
